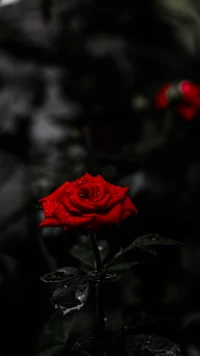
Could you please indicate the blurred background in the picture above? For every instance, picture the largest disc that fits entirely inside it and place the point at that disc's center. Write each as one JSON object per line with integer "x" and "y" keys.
{"x": 78, "y": 80}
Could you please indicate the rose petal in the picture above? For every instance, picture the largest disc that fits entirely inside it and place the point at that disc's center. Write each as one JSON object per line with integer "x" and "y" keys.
{"x": 84, "y": 205}
{"x": 99, "y": 192}
{"x": 129, "y": 209}
{"x": 48, "y": 206}
{"x": 111, "y": 217}
{"x": 67, "y": 202}
{"x": 65, "y": 218}
{"x": 76, "y": 221}
{"x": 99, "y": 179}
{"x": 87, "y": 191}
{"x": 122, "y": 192}
{"x": 115, "y": 196}
{"x": 83, "y": 180}
{"x": 102, "y": 204}
{"x": 128, "y": 205}
{"x": 66, "y": 187}
{"x": 49, "y": 222}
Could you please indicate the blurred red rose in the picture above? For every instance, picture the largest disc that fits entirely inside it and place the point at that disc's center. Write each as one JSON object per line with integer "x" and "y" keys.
{"x": 87, "y": 203}
{"x": 185, "y": 96}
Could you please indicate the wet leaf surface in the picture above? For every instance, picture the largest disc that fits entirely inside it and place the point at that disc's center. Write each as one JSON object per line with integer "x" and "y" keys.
{"x": 61, "y": 275}
{"x": 103, "y": 277}
{"x": 71, "y": 297}
{"x": 139, "y": 251}
{"x": 151, "y": 345}
{"x": 151, "y": 240}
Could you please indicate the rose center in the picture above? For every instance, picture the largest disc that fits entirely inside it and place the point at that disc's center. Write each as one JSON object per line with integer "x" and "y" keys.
{"x": 84, "y": 194}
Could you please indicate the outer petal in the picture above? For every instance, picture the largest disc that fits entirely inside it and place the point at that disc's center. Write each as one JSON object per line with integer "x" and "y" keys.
{"x": 122, "y": 192}
{"x": 49, "y": 222}
{"x": 48, "y": 206}
{"x": 129, "y": 209}
{"x": 99, "y": 180}
{"x": 111, "y": 217}
{"x": 86, "y": 178}
{"x": 66, "y": 219}
{"x": 115, "y": 196}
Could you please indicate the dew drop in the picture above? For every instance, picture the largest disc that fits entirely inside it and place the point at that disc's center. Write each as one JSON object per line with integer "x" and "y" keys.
{"x": 100, "y": 248}
{"x": 105, "y": 319}
{"x": 81, "y": 298}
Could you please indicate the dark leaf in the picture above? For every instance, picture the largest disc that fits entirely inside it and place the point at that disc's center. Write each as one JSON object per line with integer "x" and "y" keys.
{"x": 121, "y": 267}
{"x": 134, "y": 253}
{"x": 152, "y": 240}
{"x": 57, "y": 328}
{"x": 128, "y": 257}
{"x": 83, "y": 255}
{"x": 84, "y": 252}
{"x": 151, "y": 345}
{"x": 55, "y": 332}
{"x": 52, "y": 351}
{"x": 103, "y": 277}
{"x": 71, "y": 297}
{"x": 61, "y": 275}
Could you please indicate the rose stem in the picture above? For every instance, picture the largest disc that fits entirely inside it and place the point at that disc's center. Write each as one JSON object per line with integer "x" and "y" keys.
{"x": 99, "y": 286}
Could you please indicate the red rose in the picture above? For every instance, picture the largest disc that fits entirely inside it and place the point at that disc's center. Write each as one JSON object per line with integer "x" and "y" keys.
{"x": 88, "y": 202}
{"x": 186, "y": 95}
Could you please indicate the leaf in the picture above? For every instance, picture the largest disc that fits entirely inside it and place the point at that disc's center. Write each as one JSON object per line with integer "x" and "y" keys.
{"x": 61, "y": 275}
{"x": 52, "y": 351}
{"x": 151, "y": 345}
{"x": 71, "y": 297}
{"x": 103, "y": 277}
{"x": 57, "y": 328}
{"x": 55, "y": 332}
{"x": 84, "y": 253}
{"x": 134, "y": 253}
{"x": 121, "y": 267}
{"x": 128, "y": 257}
{"x": 151, "y": 240}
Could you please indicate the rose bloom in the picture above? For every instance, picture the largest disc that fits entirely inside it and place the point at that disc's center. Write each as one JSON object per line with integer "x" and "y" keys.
{"x": 185, "y": 95}
{"x": 87, "y": 203}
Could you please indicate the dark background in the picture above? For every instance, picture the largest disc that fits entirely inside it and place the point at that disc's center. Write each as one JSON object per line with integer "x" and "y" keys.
{"x": 77, "y": 85}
